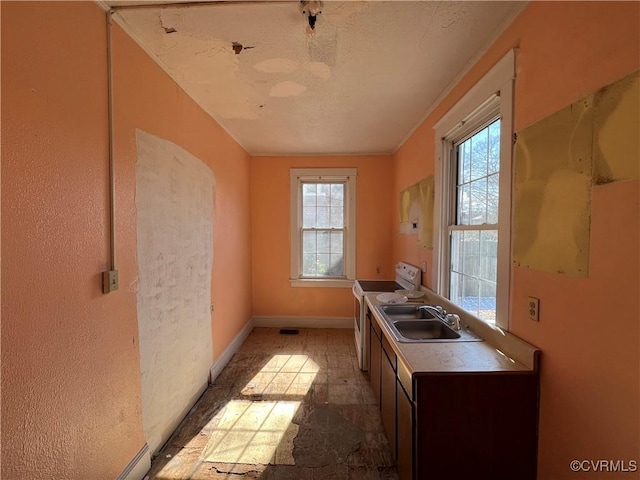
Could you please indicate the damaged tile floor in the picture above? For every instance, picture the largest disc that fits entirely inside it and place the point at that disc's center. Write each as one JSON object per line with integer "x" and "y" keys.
{"x": 285, "y": 407}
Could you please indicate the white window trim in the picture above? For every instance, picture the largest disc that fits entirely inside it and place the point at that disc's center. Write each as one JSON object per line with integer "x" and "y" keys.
{"x": 479, "y": 102}
{"x": 299, "y": 175}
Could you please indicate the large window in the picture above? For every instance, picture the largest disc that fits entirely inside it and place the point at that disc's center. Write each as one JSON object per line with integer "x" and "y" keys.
{"x": 473, "y": 198}
{"x": 473, "y": 228}
{"x": 322, "y": 227}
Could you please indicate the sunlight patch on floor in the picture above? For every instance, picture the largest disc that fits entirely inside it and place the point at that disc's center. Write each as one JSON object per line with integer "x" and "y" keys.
{"x": 283, "y": 375}
{"x": 253, "y": 433}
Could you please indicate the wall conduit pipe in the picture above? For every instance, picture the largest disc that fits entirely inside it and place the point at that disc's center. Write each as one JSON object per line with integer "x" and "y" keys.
{"x": 110, "y": 277}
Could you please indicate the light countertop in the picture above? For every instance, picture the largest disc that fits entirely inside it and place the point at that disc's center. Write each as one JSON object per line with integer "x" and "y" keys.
{"x": 457, "y": 356}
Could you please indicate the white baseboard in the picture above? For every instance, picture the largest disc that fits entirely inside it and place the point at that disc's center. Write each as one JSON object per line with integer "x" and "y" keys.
{"x": 138, "y": 466}
{"x": 302, "y": 322}
{"x": 276, "y": 322}
{"x": 233, "y": 347}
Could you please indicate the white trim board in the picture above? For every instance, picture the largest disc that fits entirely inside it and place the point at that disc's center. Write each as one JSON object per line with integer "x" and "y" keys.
{"x": 480, "y": 100}
{"x": 138, "y": 466}
{"x": 302, "y": 322}
{"x": 230, "y": 351}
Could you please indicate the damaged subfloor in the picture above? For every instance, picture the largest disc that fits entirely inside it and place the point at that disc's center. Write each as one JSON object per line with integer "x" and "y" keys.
{"x": 287, "y": 406}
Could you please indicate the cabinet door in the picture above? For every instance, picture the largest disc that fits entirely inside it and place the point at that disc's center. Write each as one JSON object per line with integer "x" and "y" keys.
{"x": 374, "y": 363}
{"x": 404, "y": 434}
{"x": 388, "y": 398}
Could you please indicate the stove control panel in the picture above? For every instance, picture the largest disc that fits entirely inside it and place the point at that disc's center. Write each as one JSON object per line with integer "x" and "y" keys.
{"x": 409, "y": 274}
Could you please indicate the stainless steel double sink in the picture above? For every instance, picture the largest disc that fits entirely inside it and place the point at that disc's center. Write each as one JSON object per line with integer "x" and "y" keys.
{"x": 412, "y": 323}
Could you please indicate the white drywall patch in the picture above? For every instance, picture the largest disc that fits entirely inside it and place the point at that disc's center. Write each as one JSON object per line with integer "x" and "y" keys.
{"x": 174, "y": 202}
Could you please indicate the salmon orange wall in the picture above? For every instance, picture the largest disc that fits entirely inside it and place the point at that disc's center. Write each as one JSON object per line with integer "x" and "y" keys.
{"x": 70, "y": 371}
{"x": 147, "y": 99}
{"x": 71, "y": 404}
{"x": 589, "y": 328}
{"x": 272, "y": 293}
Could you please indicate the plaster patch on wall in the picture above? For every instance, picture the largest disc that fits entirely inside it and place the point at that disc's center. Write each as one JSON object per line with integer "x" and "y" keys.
{"x": 616, "y": 126}
{"x": 319, "y": 69}
{"x": 558, "y": 160}
{"x": 553, "y": 168}
{"x": 174, "y": 203}
{"x": 416, "y": 211}
{"x": 277, "y": 65}
{"x": 287, "y": 89}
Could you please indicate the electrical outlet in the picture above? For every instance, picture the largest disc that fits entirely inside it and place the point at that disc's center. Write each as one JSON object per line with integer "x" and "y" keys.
{"x": 534, "y": 309}
{"x": 110, "y": 282}
{"x": 424, "y": 267}
{"x": 212, "y": 307}
{"x": 378, "y": 270}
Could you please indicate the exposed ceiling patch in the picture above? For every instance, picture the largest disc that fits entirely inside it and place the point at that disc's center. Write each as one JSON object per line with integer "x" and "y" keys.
{"x": 365, "y": 78}
{"x": 238, "y": 47}
{"x": 277, "y": 65}
{"x": 287, "y": 89}
{"x": 319, "y": 69}
{"x": 167, "y": 26}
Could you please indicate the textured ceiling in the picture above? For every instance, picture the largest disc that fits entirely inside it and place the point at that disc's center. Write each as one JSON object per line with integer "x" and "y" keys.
{"x": 361, "y": 84}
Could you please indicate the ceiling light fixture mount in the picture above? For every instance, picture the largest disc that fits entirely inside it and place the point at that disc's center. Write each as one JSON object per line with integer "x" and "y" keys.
{"x": 311, "y": 9}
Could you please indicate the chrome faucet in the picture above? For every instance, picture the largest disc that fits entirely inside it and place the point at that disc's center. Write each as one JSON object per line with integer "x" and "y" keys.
{"x": 452, "y": 319}
{"x": 436, "y": 308}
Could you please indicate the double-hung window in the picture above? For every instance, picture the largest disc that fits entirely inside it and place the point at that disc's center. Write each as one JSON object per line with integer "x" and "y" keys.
{"x": 323, "y": 227}
{"x": 473, "y": 223}
{"x": 473, "y": 198}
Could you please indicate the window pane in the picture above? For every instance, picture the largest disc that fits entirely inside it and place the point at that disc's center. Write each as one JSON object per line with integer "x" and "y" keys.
{"x": 470, "y": 259}
{"x": 309, "y": 265}
{"x": 309, "y": 242}
{"x": 323, "y": 231}
{"x": 324, "y": 217}
{"x": 337, "y": 194}
{"x": 478, "y": 203}
{"x": 473, "y": 252}
{"x": 494, "y": 147}
{"x": 455, "y": 288}
{"x": 309, "y": 217}
{"x": 324, "y": 193}
{"x": 456, "y": 250}
{"x": 309, "y": 194}
{"x": 469, "y": 298}
{"x": 324, "y": 263}
{"x": 479, "y": 144}
{"x": 492, "y": 198}
{"x": 324, "y": 242}
{"x": 464, "y": 165}
{"x": 473, "y": 271}
{"x": 488, "y": 255}
{"x": 337, "y": 242}
{"x": 337, "y": 217}
{"x": 323, "y": 253}
{"x": 487, "y": 301}
{"x": 462, "y": 217}
{"x": 336, "y": 265}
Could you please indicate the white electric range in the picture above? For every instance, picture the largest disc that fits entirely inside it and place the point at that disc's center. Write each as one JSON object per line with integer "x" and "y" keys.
{"x": 407, "y": 278}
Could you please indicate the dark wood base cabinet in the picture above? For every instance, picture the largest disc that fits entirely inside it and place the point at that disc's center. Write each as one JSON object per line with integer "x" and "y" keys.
{"x": 455, "y": 425}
